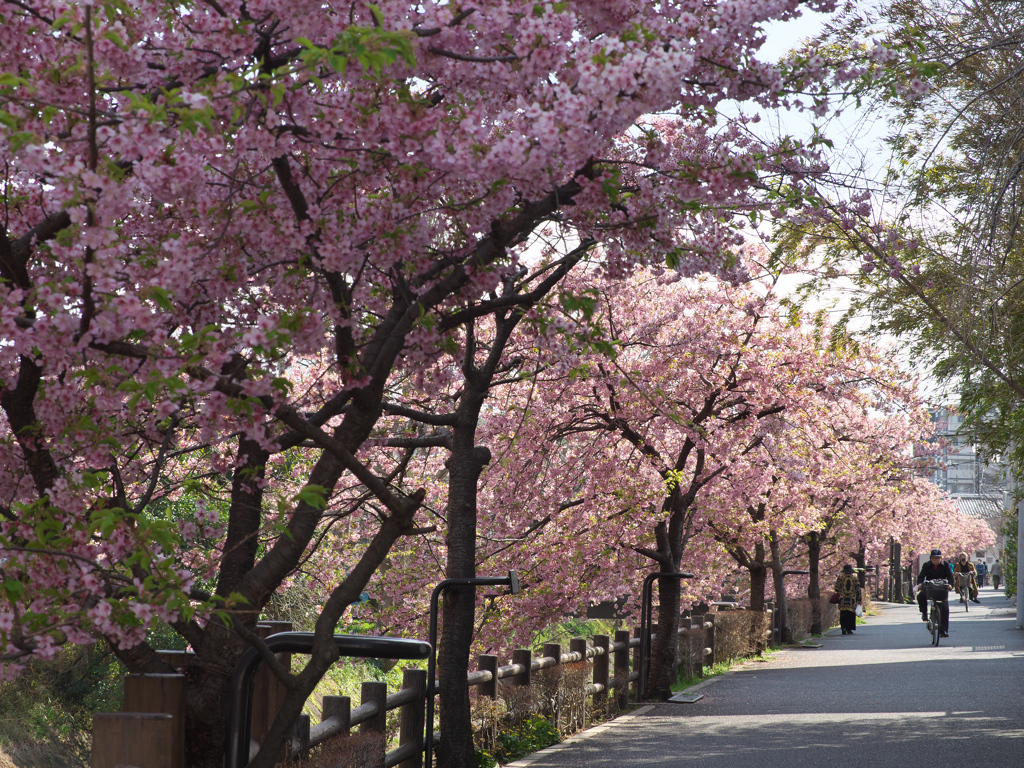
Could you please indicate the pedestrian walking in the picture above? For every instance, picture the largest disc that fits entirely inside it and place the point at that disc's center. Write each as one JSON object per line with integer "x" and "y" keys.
{"x": 997, "y": 574}
{"x": 848, "y": 589}
{"x": 982, "y": 572}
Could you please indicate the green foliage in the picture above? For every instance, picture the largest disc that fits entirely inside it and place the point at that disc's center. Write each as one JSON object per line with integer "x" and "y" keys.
{"x": 373, "y": 48}
{"x": 563, "y": 631}
{"x": 48, "y": 709}
{"x": 346, "y": 679}
{"x": 162, "y": 636}
{"x": 513, "y": 743}
{"x": 1009, "y": 530}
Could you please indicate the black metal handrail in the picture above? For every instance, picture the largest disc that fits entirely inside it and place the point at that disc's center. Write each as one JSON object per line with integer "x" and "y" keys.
{"x": 236, "y": 753}
{"x": 511, "y": 581}
{"x": 646, "y": 600}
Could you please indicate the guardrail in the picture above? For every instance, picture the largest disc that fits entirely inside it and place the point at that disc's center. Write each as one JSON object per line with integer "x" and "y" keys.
{"x": 614, "y": 670}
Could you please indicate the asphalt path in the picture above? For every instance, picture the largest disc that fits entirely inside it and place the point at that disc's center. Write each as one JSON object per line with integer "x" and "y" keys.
{"x": 883, "y": 696}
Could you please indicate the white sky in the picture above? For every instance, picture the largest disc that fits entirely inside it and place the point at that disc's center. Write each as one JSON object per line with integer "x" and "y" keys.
{"x": 858, "y": 144}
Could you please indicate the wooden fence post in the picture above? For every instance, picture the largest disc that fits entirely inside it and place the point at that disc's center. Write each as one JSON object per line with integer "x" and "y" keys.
{"x": 339, "y": 707}
{"x": 677, "y": 655}
{"x": 553, "y": 650}
{"x": 622, "y": 667}
{"x": 523, "y": 656}
{"x": 578, "y": 720}
{"x": 697, "y": 652}
{"x": 410, "y": 728}
{"x": 636, "y": 664}
{"x": 579, "y": 645}
{"x": 600, "y": 677}
{"x": 378, "y": 692}
{"x": 163, "y": 694}
{"x": 140, "y": 739}
{"x": 710, "y": 619}
{"x": 487, "y": 662}
{"x": 551, "y": 681}
{"x": 769, "y": 608}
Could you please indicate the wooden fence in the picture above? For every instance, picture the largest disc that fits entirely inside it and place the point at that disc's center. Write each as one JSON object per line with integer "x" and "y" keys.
{"x": 149, "y": 733}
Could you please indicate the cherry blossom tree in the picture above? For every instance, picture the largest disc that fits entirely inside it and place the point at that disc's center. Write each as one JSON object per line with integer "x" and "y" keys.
{"x": 571, "y": 502}
{"x": 599, "y": 459}
{"x": 230, "y": 226}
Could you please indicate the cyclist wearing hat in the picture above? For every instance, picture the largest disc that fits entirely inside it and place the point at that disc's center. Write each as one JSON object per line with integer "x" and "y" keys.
{"x": 964, "y": 569}
{"x": 935, "y": 569}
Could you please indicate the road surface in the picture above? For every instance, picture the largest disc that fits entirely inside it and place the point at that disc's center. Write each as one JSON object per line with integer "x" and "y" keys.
{"x": 881, "y": 697}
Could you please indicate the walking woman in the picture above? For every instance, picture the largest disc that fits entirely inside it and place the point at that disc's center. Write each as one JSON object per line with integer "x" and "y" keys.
{"x": 848, "y": 589}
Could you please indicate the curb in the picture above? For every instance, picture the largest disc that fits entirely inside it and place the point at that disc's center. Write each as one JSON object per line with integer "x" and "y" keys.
{"x": 578, "y": 737}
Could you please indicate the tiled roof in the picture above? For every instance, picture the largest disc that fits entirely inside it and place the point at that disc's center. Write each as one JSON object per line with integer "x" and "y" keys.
{"x": 979, "y": 506}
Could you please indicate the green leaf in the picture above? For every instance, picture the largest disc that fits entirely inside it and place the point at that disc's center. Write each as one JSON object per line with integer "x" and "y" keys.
{"x": 314, "y": 496}
{"x": 19, "y": 140}
{"x": 14, "y": 589}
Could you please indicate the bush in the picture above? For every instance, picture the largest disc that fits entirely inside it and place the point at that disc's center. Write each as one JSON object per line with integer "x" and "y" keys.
{"x": 741, "y": 633}
{"x": 352, "y": 751}
{"x": 534, "y": 734}
{"x": 47, "y": 710}
{"x": 690, "y": 652}
{"x": 798, "y": 612}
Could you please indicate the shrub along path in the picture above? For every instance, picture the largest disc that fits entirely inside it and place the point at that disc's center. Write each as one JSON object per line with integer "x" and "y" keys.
{"x": 882, "y": 697}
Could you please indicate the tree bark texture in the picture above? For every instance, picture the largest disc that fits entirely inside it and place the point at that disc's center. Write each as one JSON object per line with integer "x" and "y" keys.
{"x": 785, "y": 631}
{"x": 456, "y": 748}
{"x": 663, "y": 651}
{"x": 813, "y": 540}
{"x": 758, "y": 577}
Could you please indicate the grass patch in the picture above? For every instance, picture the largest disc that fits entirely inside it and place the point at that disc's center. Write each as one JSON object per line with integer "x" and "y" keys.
{"x": 682, "y": 683}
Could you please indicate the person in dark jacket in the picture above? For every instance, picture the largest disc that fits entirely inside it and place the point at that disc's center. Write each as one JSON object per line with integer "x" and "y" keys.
{"x": 848, "y": 589}
{"x": 964, "y": 569}
{"x": 997, "y": 574}
{"x": 935, "y": 569}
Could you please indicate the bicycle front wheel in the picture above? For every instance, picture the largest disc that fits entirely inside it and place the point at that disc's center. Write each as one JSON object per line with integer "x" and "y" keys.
{"x": 936, "y": 617}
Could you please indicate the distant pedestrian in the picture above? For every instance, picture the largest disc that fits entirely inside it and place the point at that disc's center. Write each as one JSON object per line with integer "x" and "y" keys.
{"x": 997, "y": 574}
{"x": 848, "y": 589}
{"x": 982, "y": 572}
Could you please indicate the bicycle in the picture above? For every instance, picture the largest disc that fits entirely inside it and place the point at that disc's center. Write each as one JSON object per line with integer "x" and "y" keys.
{"x": 964, "y": 588}
{"x": 935, "y": 591}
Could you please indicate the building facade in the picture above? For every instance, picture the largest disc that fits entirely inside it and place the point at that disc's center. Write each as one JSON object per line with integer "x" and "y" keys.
{"x": 980, "y": 488}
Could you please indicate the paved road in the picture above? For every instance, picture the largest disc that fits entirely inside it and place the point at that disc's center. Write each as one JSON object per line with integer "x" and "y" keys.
{"x": 881, "y": 697}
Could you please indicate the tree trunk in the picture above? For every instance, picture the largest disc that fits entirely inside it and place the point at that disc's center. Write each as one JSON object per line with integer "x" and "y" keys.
{"x": 860, "y": 557}
{"x": 663, "y": 649}
{"x": 785, "y": 631}
{"x": 456, "y": 747}
{"x": 758, "y": 577}
{"x": 813, "y": 540}
{"x": 465, "y": 463}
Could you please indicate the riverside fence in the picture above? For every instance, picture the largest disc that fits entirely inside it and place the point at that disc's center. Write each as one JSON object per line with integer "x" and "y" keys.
{"x": 559, "y": 683}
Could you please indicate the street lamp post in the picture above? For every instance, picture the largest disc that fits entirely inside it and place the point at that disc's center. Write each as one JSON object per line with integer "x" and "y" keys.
{"x": 646, "y": 609}
{"x": 512, "y": 581}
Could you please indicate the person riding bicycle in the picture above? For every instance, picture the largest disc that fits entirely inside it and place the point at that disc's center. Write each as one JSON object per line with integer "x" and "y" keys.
{"x": 935, "y": 569}
{"x": 965, "y": 570}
